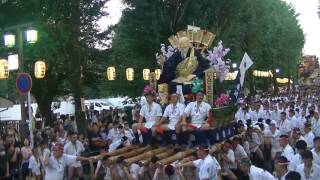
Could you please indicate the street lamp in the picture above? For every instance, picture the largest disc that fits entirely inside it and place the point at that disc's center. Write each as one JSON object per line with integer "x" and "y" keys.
{"x": 31, "y": 36}
{"x": 277, "y": 70}
{"x": 9, "y": 40}
{"x": 13, "y": 61}
{"x": 234, "y": 65}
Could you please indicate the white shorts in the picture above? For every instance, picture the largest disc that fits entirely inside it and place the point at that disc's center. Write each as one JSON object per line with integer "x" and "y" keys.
{"x": 149, "y": 124}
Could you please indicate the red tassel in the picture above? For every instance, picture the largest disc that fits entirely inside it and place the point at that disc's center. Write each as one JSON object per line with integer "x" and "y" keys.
{"x": 192, "y": 126}
{"x": 143, "y": 130}
{"x": 160, "y": 130}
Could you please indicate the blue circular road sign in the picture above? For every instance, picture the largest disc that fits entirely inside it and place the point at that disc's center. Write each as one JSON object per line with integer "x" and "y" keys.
{"x": 24, "y": 83}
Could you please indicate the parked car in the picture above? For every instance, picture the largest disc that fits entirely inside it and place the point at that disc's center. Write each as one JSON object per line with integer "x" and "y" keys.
{"x": 97, "y": 105}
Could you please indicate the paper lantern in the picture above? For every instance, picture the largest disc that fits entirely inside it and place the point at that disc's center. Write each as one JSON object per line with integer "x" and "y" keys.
{"x": 130, "y": 74}
{"x": 13, "y": 61}
{"x": 40, "y": 69}
{"x": 146, "y": 74}
{"x": 9, "y": 40}
{"x": 158, "y": 73}
{"x": 4, "y": 69}
{"x": 32, "y": 36}
{"x": 111, "y": 73}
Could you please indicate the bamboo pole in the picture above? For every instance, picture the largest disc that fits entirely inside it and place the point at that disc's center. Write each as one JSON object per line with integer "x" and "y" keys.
{"x": 178, "y": 156}
{"x": 132, "y": 153}
{"x": 145, "y": 155}
{"x": 162, "y": 155}
{"x": 116, "y": 152}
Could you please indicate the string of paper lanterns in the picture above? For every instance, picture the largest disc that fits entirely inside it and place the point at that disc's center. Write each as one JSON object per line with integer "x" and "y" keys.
{"x": 39, "y": 68}
{"x": 111, "y": 74}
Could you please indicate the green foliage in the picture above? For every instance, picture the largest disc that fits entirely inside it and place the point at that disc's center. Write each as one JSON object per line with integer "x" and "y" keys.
{"x": 267, "y": 29}
{"x": 68, "y": 32}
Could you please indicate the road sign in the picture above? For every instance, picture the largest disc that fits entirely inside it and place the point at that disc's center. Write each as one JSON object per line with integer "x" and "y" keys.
{"x": 24, "y": 83}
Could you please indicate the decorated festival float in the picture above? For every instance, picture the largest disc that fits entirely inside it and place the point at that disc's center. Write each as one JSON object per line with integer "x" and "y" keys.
{"x": 189, "y": 65}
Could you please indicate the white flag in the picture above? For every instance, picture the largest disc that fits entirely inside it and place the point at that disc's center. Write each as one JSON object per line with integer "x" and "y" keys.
{"x": 245, "y": 64}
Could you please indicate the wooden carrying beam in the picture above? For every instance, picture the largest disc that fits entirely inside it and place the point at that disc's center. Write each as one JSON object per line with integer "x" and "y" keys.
{"x": 144, "y": 155}
{"x": 161, "y": 156}
{"x": 178, "y": 156}
{"x": 116, "y": 152}
{"x": 131, "y": 153}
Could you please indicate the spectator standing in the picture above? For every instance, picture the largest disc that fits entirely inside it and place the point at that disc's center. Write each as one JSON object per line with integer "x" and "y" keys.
{"x": 74, "y": 147}
{"x": 4, "y": 163}
{"x": 35, "y": 164}
{"x": 56, "y": 163}
{"x": 26, "y": 154}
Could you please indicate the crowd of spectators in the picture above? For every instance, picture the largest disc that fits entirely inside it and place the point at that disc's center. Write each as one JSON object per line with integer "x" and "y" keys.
{"x": 281, "y": 140}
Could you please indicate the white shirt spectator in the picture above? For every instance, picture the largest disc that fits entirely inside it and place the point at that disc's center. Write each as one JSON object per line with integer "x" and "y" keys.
{"x": 34, "y": 165}
{"x": 208, "y": 167}
{"x": 285, "y": 127}
{"x": 254, "y": 142}
{"x": 275, "y": 115}
{"x": 288, "y": 152}
{"x": 294, "y": 122}
{"x": 315, "y": 126}
{"x": 256, "y": 173}
{"x": 239, "y": 114}
{"x": 309, "y": 139}
{"x": 240, "y": 153}
{"x": 106, "y": 170}
{"x": 173, "y": 114}
{"x": 275, "y": 141}
{"x": 315, "y": 172}
{"x": 316, "y": 156}
{"x": 114, "y": 134}
{"x": 231, "y": 156}
{"x": 295, "y": 162}
{"x": 254, "y": 116}
{"x": 114, "y": 145}
{"x": 74, "y": 149}
{"x": 151, "y": 113}
{"x": 134, "y": 171}
{"x": 56, "y": 167}
{"x": 198, "y": 113}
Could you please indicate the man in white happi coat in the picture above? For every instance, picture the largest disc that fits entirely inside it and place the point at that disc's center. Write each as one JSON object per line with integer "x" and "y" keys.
{"x": 284, "y": 124}
{"x": 254, "y": 172}
{"x": 74, "y": 147}
{"x": 316, "y": 150}
{"x": 198, "y": 112}
{"x": 309, "y": 170}
{"x": 308, "y": 135}
{"x": 286, "y": 150}
{"x": 207, "y": 165}
{"x": 172, "y": 116}
{"x": 56, "y": 163}
{"x": 281, "y": 167}
{"x": 152, "y": 113}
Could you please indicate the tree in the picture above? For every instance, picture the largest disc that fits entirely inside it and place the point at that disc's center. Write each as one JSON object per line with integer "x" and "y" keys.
{"x": 260, "y": 27}
{"x": 68, "y": 33}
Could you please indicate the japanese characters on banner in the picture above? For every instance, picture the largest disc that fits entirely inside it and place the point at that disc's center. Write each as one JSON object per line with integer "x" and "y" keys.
{"x": 209, "y": 75}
